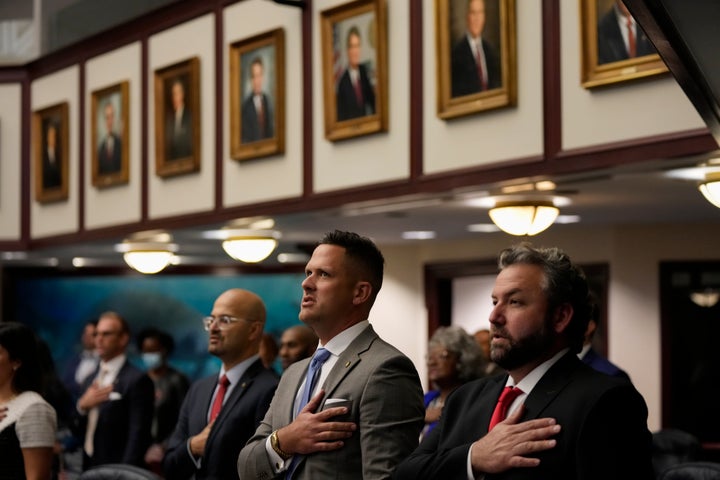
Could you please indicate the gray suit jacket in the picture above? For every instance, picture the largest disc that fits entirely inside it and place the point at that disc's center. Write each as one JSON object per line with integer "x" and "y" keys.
{"x": 387, "y": 406}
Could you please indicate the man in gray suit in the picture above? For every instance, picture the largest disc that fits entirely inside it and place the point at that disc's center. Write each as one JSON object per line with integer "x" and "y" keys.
{"x": 366, "y": 411}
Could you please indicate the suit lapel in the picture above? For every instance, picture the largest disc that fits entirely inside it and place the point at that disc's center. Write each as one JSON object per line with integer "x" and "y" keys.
{"x": 550, "y": 385}
{"x": 349, "y": 359}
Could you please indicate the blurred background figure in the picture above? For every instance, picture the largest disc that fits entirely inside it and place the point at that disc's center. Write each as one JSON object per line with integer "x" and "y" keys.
{"x": 454, "y": 357}
{"x": 29, "y": 427}
{"x": 171, "y": 385}
{"x": 83, "y": 363}
{"x": 482, "y": 337}
{"x": 589, "y": 355}
{"x": 297, "y": 342}
{"x": 269, "y": 351}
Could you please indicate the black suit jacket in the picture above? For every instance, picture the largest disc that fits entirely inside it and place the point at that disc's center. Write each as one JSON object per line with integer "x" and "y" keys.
{"x": 123, "y": 429}
{"x": 237, "y": 421}
{"x": 251, "y": 131}
{"x": 179, "y": 139}
{"x": 110, "y": 163}
{"x": 604, "y": 428}
{"x": 347, "y": 104}
{"x": 610, "y": 43}
{"x": 464, "y": 74}
{"x": 52, "y": 171}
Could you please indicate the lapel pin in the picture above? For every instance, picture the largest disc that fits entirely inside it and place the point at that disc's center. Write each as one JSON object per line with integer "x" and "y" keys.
{"x": 347, "y": 364}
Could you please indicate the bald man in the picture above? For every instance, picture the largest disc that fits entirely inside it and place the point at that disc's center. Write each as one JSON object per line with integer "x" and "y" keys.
{"x": 296, "y": 343}
{"x": 218, "y": 416}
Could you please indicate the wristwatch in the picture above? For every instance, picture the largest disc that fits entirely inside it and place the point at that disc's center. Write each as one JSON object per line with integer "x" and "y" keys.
{"x": 275, "y": 444}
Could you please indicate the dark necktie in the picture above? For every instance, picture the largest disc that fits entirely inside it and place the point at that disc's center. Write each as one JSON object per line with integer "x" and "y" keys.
{"x": 508, "y": 395}
{"x": 478, "y": 63}
{"x": 321, "y": 355}
{"x": 217, "y": 404}
{"x": 261, "y": 118}
{"x": 358, "y": 92}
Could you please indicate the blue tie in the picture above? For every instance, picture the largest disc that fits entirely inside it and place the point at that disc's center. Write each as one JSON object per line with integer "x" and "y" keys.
{"x": 321, "y": 355}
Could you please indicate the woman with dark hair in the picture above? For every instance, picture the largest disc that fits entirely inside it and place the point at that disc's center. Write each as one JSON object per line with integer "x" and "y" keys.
{"x": 27, "y": 433}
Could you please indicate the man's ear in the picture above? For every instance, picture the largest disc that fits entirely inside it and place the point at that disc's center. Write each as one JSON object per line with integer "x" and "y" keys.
{"x": 362, "y": 293}
{"x": 562, "y": 316}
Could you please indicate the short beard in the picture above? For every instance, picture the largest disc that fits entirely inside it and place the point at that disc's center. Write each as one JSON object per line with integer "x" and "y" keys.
{"x": 525, "y": 350}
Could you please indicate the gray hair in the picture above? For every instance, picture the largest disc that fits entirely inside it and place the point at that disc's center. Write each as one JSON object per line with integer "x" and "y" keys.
{"x": 470, "y": 360}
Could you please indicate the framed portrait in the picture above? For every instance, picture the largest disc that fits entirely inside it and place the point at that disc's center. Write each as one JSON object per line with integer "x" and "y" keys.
{"x": 355, "y": 74}
{"x": 177, "y": 118}
{"x": 614, "y": 47}
{"x": 50, "y": 140}
{"x": 476, "y": 56}
{"x": 257, "y": 96}
{"x": 110, "y": 135}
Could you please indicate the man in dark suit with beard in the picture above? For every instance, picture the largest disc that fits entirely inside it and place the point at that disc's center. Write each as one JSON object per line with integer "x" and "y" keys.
{"x": 551, "y": 416}
{"x": 355, "y": 93}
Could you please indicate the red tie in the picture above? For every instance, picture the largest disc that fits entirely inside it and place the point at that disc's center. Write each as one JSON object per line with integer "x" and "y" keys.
{"x": 508, "y": 395}
{"x": 478, "y": 63}
{"x": 217, "y": 404}
{"x": 358, "y": 92}
{"x": 632, "y": 49}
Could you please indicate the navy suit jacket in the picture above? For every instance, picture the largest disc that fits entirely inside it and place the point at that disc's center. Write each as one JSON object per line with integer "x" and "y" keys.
{"x": 347, "y": 104}
{"x": 604, "y": 428}
{"x": 123, "y": 429}
{"x": 237, "y": 421}
{"x": 464, "y": 74}
{"x": 602, "y": 364}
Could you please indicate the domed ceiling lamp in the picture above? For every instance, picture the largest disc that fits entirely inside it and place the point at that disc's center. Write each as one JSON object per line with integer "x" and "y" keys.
{"x": 250, "y": 240}
{"x": 710, "y": 188}
{"x": 523, "y": 217}
{"x": 148, "y": 252}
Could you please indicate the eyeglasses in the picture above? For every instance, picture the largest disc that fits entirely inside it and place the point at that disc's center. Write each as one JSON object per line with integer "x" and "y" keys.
{"x": 442, "y": 357}
{"x": 224, "y": 321}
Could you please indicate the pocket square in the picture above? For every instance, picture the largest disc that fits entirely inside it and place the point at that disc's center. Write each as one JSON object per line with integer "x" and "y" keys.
{"x": 115, "y": 396}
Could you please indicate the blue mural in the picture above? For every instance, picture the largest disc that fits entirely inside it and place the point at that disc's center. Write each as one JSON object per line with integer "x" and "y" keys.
{"x": 58, "y": 307}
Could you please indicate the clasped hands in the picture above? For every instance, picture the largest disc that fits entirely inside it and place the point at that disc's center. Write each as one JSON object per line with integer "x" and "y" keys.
{"x": 315, "y": 432}
{"x": 507, "y": 445}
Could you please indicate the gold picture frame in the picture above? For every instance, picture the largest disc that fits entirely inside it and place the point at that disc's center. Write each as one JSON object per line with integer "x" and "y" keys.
{"x": 605, "y": 59}
{"x": 257, "y": 96}
{"x": 352, "y": 107}
{"x": 471, "y": 79}
{"x": 177, "y": 118}
{"x": 50, "y": 140}
{"x": 110, "y": 135}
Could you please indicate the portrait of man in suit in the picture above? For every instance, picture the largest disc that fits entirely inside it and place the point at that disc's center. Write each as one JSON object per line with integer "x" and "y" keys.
{"x": 355, "y": 93}
{"x": 474, "y": 61}
{"x": 257, "y": 111}
{"x": 51, "y": 155}
{"x": 619, "y": 37}
{"x": 179, "y": 121}
{"x": 110, "y": 148}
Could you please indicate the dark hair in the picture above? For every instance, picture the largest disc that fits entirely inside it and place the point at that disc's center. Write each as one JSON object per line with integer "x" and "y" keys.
{"x": 564, "y": 282}
{"x": 362, "y": 253}
{"x": 165, "y": 340}
{"x": 22, "y": 345}
{"x": 354, "y": 30}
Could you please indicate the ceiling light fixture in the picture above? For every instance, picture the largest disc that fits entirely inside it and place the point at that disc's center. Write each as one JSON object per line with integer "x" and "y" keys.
{"x": 148, "y": 252}
{"x": 524, "y": 217}
{"x": 705, "y": 298}
{"x": 710, "y": 188}
{"x": 253, "y": 243}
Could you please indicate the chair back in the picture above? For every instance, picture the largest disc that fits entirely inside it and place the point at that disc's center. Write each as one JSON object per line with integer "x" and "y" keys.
{"x": 692, "y": 471}
{"x": 672, "y": 446}
{"x": 118, "y": 471}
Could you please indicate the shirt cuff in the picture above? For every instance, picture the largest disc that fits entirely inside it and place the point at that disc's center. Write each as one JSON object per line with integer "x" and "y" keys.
{"x": 196, "y": 461}
{"x": 278, "y": 464}
{"x": 470, "y": 475}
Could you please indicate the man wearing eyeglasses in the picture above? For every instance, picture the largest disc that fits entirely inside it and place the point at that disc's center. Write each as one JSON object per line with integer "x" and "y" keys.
{"x": 221, "y": 412}
{"x": 116, "y": 407}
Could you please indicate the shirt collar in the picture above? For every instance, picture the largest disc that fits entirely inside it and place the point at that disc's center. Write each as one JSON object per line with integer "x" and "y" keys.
{"x": 342, "y": 340}
{"x": 236, "y": 372}
{"x": 532, "y": 378}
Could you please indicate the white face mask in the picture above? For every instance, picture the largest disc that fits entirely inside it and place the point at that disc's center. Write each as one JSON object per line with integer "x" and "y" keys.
{"x": 152, "y": 360}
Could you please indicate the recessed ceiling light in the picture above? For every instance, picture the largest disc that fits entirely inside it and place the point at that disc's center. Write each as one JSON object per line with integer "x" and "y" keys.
{"x": 419, "y": 235}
